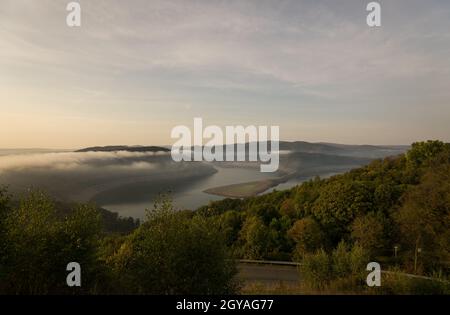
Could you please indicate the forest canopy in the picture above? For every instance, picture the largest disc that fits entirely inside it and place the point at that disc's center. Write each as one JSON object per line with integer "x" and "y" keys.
{"x": 395, "y": 211}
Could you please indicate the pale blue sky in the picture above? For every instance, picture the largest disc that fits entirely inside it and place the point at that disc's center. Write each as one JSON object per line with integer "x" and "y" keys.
{"x": 135, "y": 69}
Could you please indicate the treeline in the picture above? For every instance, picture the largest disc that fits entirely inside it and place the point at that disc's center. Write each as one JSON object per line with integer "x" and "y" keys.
{"x": 170, "y": 253}
{"x": 394, "y": 211}
{"x": 397, "y": 210}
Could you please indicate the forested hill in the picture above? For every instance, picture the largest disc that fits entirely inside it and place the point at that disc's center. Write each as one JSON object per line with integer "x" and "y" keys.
{"x": 363, "y": 151}
{"x": 333, "y": 226}
{"x": 113, "y": 148}
{"x": 401, "y": 201}
{"x": 335, "y": 149}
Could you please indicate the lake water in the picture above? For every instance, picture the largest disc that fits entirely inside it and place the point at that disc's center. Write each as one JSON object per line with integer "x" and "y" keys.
{"x": 192, "y": 196}
{"x": 131, "y": 199}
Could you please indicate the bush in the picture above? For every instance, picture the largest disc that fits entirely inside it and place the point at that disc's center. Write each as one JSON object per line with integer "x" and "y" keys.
{"x": 308, "y": 236}
{"x": 341, "y": 261}
{"x": 402, "y": 285}
{"x": 37, "y": 245}
{"x": 255, "y": 238}
{"x": 343, "y": 269}
{"x": 370, "y": 232}
{"x": 174, "y": 254}
{"x": 315, "y": 269}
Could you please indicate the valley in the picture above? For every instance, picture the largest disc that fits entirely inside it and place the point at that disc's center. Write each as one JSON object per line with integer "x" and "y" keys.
{"x": 128, "y": 179}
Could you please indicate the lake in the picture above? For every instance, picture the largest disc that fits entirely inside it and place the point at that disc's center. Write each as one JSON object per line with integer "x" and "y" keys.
{"x": 191, "y": 196}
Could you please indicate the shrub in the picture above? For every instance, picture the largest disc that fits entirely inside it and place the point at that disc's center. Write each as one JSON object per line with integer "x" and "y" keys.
{"x": 308, "y": 236}
{"x": 343, "y": 269}
{"x": 38, "y": 243}
{"x": 172, "y": 253}
{"x": 399, "y": 284}
{"x": 315, "y": 269}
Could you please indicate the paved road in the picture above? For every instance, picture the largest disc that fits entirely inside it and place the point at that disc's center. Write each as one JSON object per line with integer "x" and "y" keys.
{"x": 268, "y": 274}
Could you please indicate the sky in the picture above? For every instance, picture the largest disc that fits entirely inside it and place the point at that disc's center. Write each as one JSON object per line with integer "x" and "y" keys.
{"x": 136, "y": 69}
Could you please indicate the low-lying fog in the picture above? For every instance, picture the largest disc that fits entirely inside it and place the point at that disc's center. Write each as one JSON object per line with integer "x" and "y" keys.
{"x": 127, "y": 182}
{"x": 80, "y": 176}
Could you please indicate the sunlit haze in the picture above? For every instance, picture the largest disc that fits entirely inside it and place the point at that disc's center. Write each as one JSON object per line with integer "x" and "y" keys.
{"x": 135, "y": 69}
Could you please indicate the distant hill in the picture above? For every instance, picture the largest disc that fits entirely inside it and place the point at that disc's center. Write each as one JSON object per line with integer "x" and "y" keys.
{"x": 359, "y": 151}
{"x": 367, "y": 151}
{"x": 303, "y": 160}
{"x": 112, "y": 148}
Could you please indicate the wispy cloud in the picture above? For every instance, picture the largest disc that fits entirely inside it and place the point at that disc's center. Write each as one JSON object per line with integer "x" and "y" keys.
{"x": 150, "y": 59}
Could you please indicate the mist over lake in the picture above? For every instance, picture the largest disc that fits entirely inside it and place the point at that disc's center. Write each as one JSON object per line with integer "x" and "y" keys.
{"x": 132, "y": 200}
{"x": 128, "y": 179}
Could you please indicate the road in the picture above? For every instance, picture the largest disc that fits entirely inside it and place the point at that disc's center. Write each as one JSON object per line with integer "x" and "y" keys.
{"x": 276, "y": 272}
{"x": 268, "y": 274}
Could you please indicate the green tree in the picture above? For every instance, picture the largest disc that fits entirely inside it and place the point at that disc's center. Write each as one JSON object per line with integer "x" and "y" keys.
{"x": 39, "y": 243}
{"x": 4, "y": 208}
{"x": 339, "y": 203}
{"x": 422, "y": 152}
{"x": 266, "y": 211}
{"x": 172, "y": 253}
{"x": 370, "y": 231}
{"x": 342, "y": 269}
{"x": 288, "y": 209}
{"x": 424, "y": 220}
{"x": 230, "y": 223}
{"x": 307, "y": 235}
{"x": 279, "y": 242}
{"x": 315, "y": 269}
{"x": 255, "y": 236}
{"x": 349, "y": 265}
{"x": 305, "y": 196}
